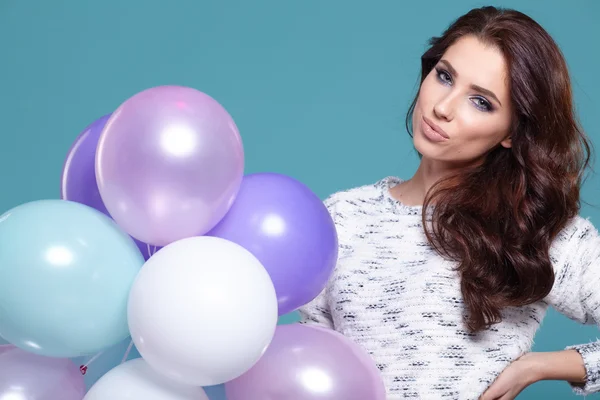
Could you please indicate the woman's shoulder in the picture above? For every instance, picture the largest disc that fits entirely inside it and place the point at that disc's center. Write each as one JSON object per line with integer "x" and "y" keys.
{"x": 577, "y": 230}
{"x": 368, "y": 190}
{"x": 575, "y": 255}
{"x": 577, "y": 243}
{"x": 360, "y": 198}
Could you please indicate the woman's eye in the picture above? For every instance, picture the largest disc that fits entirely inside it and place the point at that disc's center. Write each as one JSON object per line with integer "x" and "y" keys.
{"x": 444, "y": 76}
{"x": 482, "y": 104}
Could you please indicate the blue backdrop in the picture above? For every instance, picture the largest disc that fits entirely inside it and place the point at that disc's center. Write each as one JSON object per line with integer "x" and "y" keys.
{"x": 319, "y": 89}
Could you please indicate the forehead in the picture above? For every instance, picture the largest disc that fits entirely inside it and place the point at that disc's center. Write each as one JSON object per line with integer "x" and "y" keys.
{"x": 477, "y": 63}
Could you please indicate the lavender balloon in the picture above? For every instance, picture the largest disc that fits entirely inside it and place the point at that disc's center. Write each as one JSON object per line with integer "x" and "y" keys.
{"x": 169, "y": 164}
{"x": 309, "y": 363}
{"x": 78, "y": 179}
{"x": 288, "y": 228}
{"x": 27, "y": 376}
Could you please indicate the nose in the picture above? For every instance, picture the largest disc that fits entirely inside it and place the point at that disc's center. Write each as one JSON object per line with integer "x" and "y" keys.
{"x": 444, "y": 108}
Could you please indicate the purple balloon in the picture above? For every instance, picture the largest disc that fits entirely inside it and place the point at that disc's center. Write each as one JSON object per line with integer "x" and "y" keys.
{"x": 169, "y": 164}
{"x": 289, "y": 229}
{"x": 309, "y": 363}
{"x": 29, "y": 376}
{"x": 78, "y": 180}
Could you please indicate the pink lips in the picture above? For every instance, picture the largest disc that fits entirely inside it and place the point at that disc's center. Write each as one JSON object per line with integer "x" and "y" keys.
{"x": 434, "y": 132}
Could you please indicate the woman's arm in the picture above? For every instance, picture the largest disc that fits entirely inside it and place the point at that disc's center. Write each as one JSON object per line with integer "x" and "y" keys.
{"x": 576, "y": 294}
{"x": 565, "y": 365}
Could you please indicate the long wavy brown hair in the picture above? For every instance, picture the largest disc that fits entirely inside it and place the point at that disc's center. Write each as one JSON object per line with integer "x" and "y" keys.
{"x": 497, "y": 219}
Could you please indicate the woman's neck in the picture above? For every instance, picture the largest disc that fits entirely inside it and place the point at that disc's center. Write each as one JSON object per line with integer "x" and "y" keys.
{"x": 412, "y": 192}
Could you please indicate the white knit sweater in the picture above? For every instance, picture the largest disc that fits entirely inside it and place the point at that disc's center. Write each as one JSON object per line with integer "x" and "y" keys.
{"x": 401, "y": 301}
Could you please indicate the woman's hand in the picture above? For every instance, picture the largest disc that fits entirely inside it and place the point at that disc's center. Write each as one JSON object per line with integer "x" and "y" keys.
{"x": 514, "y": 379}
{"x": 533, "y": 367}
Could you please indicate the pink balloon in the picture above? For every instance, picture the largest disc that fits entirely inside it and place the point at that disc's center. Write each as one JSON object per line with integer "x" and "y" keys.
{"x": 169, "y": 164}
{"x": 6, "y": 347}
{"x": 25, "y": 375}
{"x": 309, "y": 363}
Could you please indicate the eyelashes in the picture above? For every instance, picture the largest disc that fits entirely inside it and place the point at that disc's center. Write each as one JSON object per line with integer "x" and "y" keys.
{"x": 444, "y": 76}
{"x": 480, "y": 102}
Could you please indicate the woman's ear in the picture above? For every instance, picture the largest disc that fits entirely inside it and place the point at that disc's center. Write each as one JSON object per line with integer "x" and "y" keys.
{"x": 507, "y": 143}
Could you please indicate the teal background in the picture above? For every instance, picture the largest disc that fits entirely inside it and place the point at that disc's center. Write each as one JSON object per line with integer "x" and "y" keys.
{"x": 319, "y": 89}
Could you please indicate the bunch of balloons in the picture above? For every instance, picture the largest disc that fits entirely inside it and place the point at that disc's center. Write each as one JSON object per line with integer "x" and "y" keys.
{"x": 161, "y": 245}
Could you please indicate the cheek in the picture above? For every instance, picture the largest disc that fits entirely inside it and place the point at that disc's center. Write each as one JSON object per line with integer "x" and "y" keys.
{"x": 475, "y": 125}
{"x": 470, "y": 125}
{"x": 429, "y": 91}
{"x": 477, "y": 137}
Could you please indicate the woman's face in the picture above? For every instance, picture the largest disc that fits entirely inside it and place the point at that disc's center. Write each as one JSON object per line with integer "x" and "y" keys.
{"x": 463, "y": 110}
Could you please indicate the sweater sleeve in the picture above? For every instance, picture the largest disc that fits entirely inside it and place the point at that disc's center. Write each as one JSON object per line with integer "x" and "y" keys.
{"x": 576, "y": 292}
{"x": 317, "y": 311}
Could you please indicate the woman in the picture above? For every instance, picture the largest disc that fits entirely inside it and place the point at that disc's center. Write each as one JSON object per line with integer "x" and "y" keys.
{"x": 444, "y": 278}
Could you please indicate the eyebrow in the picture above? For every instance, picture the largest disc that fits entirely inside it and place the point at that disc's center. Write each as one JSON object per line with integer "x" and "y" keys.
{"x": 474, "y": 87}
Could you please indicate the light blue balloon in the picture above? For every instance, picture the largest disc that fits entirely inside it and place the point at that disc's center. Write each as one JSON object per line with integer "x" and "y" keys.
{"x": 65, "y": 275}
{"x": 216, "y": 392}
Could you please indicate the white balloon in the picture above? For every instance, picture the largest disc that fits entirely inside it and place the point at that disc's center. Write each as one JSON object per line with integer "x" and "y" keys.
{"x": 135, "y": 380}
{"x": 202, "y": 311}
